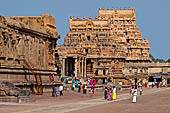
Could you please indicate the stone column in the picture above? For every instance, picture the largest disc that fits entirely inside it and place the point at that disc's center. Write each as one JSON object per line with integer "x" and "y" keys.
{"x": 82, "y": 74}
{"x": 85, "y": 69}
{"x": 75, "y": 67}
{"x": 63, "y": 70}
{"x": 79, "y": 67}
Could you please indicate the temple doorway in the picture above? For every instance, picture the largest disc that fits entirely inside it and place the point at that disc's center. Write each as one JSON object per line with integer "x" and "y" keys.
{"x": 89, "y": 67}
{"x": 70, "y": 67}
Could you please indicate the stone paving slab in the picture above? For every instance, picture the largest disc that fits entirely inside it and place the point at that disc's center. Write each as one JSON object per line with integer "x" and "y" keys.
{"x": 85, "y": 104}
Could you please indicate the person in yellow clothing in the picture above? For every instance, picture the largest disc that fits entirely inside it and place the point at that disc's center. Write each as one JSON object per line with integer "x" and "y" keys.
{"x": 114, "y": 93}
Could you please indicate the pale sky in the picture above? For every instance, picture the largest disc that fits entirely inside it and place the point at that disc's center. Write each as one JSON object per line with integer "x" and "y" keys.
{"x": 153, "y": 16}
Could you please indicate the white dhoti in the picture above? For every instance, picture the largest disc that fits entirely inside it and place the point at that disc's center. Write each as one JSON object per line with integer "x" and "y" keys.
{"x": 134, "y": 99}
{"x": 134, "y": 96}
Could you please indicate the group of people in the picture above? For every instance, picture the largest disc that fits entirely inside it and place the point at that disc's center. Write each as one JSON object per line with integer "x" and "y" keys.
{"x": 77, "y": 84}
{"x": 54, "y": 91}
{"x": 83, "y": 87}
{"x": 157, "y": 84}
{"x": 110, "y": 93}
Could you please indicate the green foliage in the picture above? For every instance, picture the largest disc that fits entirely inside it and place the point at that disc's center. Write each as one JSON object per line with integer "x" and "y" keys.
{"x": 158, "y": 59}
{"x": 153, "y": 59}
{"x": 168, "y": 61}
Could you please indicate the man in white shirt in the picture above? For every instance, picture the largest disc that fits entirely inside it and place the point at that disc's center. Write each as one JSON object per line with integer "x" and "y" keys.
{"x": 134, "y": 95}
{"x": 61, "y": 90}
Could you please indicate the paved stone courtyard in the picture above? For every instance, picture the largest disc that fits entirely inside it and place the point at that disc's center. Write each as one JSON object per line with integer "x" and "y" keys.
{"x": 153, "y": 101}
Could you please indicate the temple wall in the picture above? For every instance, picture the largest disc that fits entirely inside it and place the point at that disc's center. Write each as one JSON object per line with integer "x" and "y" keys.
{"x": 26, "y": 45}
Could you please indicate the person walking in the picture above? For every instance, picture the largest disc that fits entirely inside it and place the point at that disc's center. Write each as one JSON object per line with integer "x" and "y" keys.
{"x": 152, "y": 85}
{"x": 109, "y": 97}
{"x": 145, "y": 85}
{"x": 79, "y": 86}
{"x": 157, "y": 84}
{"x": 77, "y": 82}
{"x": 83, "y": 87}
{"x": 61, "y": 90}
{"x": 91, "y": 82}
{"x": 141, "y": 90}
{"x": 73, "y": 85}
{"x": 93, "y": 89}
{"x": 134, "y": 95}
{"x": 114, "y": 93}
{"x": 131, "y": 91}
{"x": 54, "y": 92}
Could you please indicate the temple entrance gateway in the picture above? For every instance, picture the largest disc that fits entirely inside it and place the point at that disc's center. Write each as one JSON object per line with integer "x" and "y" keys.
{"x": 102, "y": 47}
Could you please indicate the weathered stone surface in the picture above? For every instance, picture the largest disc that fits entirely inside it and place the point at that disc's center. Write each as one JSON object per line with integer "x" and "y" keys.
{"x": 31, "y": 39}
{"x": 27, "y": 45}
{"x": 8, "y": 89}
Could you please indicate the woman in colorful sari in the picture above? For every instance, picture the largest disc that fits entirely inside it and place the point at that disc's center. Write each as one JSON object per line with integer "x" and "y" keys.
{"x": 114, "y": 93}
{"x": 109, "y": 94}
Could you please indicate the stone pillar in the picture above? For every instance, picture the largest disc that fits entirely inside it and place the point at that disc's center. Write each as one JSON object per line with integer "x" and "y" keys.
{"x": 85, "y": 69}
{"x": 63, "y": 70}
{"x": 82, "y": 73}
{"x": 75, "y": 67}
{"x": 79, "y": 67}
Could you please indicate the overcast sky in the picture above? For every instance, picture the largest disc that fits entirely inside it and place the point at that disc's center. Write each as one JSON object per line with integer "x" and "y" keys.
{"x": 153, "y": 16}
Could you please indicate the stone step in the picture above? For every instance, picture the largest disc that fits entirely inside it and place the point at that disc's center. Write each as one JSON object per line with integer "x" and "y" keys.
{"x": 26, "y": 99}
{"x": 8, "y": 99}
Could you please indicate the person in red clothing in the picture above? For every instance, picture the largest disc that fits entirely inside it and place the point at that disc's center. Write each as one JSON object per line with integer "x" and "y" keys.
{"x": 91, "y": 81}
{"x": 94, "y": 82}
{"x": 152, "y": 85}
{"x": 145, "y": 84}
{"x": 83, "y": 87}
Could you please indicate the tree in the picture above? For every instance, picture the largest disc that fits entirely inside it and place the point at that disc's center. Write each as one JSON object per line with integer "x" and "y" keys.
{"x": 168, "y": 61}
{"x": 158, "y": 59}
{"x": 153, "y": 59}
